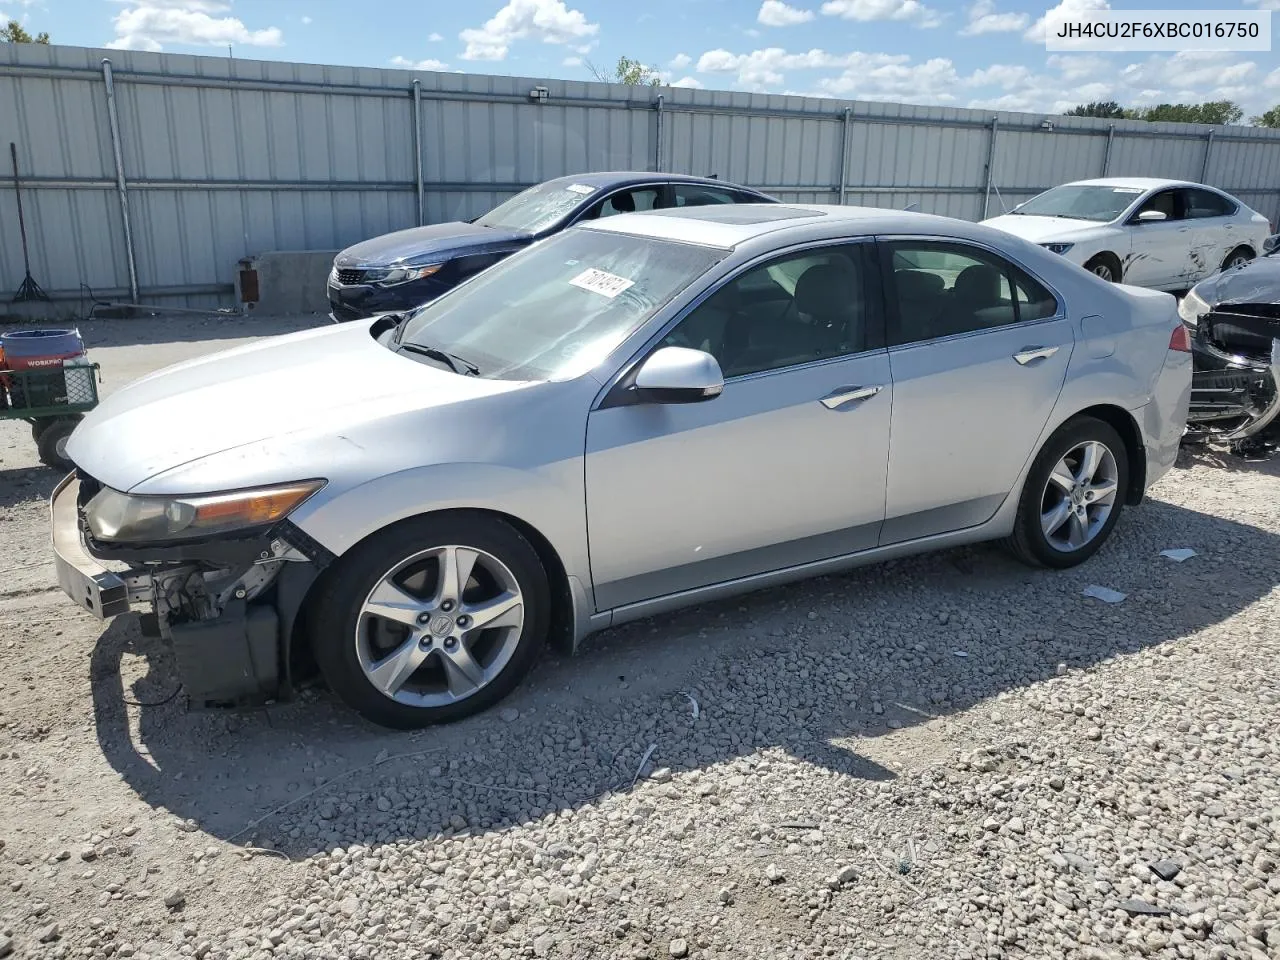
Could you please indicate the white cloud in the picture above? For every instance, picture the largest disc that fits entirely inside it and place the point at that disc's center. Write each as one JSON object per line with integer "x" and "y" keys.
{"x": 150, "y": 24}
{"x": 691, "y": 83}
{"x": 571, "y": 62}
{"x": 868, "y": 10}
{"x": 984, "y": 19}
{"x": 435, "y": 37}
{"x": 305, "y": 21}
{"x": 775, "y": 13}
{"x": 404, "y": 63}
{"x": 1264, "y": 4}
{"x": 547, "y": 20}
{"x": 680, "y": 61}
{"x": 764, "y": 68}
{"x": 1035, "y": 33}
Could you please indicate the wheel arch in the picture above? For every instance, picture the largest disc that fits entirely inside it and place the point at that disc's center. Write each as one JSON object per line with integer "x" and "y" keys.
{"x": 1114, "y": 259}
{"x": 296, "y": 652}
{"x": 1246, "y": 247}
{"x": 1122, "y": 421}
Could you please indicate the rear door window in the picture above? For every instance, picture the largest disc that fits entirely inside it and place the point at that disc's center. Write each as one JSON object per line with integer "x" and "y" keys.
{"x": 697, "y": 195}
{"x": 1202, "y": 204}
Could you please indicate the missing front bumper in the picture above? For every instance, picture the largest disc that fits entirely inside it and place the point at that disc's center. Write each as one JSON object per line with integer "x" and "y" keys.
{"x": 86, "y": 581}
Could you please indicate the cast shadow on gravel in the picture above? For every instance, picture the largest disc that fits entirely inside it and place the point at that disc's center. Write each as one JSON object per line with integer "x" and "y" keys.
{"x": 811, "y": 669}
{"x": 24, "y": 484}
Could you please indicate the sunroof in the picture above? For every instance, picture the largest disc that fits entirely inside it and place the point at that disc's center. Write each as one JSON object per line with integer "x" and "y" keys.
{"x": 741, "y": 213}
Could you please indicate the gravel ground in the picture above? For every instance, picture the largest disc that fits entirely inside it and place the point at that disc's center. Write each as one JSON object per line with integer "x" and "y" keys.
{"x": 946, "y": 757}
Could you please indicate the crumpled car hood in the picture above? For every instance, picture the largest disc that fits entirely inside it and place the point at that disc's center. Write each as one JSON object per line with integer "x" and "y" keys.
{"x": 293, "y": 404}
{"x": 1258, "y": 281}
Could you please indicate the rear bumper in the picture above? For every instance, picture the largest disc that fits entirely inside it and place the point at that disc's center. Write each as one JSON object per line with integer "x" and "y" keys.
{"x": 1165, "y": 417}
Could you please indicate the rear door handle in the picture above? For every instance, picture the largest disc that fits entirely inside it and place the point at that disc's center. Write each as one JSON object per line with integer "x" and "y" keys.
{"x": 843, "y": 395}
{"x": 1028, "y": 354}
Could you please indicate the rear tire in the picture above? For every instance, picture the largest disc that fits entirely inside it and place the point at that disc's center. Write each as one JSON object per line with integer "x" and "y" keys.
{"x": 51, "y": 441}
{"x": 1065, "y": 513}
{"x": 1105, "y": 266}
{"x": 1237, "y": 257}
{"x": 424, "y": 659}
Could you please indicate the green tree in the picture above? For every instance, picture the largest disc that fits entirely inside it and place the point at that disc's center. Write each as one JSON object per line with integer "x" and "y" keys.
{"x": 1215, "y": 112}
{"x": 1269, "y": 119}
{"x": 628, "y": 71}
{"x": 14, "y": 33}
{"x": 1108, "y": 109}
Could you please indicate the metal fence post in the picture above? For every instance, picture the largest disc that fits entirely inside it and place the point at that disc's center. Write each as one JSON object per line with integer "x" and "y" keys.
{"x": 657, "y": 160}
{"x": 844, "y": 157}
{"x": 417, "y": 150}
{"x": 121, "y": 187}
{"x": 1106, "y": 156}
{"x": 991, "y": 156}
{"x": 1208, "y": 152}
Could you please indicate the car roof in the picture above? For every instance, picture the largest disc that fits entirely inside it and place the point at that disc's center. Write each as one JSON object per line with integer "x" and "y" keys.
{"x": 1140, "y": 183}
{"x": 618, "y": 178}
{"x": 728, "y": 225}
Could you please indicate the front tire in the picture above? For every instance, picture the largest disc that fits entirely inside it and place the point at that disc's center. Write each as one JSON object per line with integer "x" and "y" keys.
{"x": 1073, "y": 495}
{"x": 1105, "y": 266}
{"x": 431, "y": 620}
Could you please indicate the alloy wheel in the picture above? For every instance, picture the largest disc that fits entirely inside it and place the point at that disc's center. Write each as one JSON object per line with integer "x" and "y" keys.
{"x": 439, "y": 626}
{"x": 1079, "y": 496}
{"x": 1104, "y": 271}
{"x": 1239, "y": 260}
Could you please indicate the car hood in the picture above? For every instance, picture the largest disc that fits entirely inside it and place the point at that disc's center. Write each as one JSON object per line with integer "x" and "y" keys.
{"x": 1258, "y": 281}
{"x": 291, "y": 407}
{"x": 422, "y": 244}
{"x": 1045, "y": 229}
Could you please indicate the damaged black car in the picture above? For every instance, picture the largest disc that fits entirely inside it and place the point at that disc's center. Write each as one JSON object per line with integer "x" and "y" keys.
{"x": 1233, "y": 320}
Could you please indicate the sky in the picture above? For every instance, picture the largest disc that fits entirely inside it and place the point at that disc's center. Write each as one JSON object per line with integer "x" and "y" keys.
{"x": 983, "y": 53}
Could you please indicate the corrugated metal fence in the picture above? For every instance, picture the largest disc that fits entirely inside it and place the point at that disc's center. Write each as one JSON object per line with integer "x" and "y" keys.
{"x": 196, "y": 162}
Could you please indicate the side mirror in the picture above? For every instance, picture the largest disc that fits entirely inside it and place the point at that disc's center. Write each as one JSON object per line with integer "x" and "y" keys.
{"x": 679, "y": 375}
{"x": 1152, "y": 216}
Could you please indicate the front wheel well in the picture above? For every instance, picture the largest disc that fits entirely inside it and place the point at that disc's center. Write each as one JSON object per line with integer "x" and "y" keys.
{"x": 1123, "y": 423}
{"x": 1111, "y": 260}
{"x": 297, "y": 653}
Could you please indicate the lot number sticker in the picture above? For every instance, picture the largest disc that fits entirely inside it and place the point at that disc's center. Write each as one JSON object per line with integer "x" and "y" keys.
{"x": 581, "y": 188}
{"x": 605, "y": 284}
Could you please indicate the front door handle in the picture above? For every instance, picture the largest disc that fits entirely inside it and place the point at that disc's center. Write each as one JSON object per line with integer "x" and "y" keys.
{"x": 843, "y": 395}
{"x": 1028, "y": 354}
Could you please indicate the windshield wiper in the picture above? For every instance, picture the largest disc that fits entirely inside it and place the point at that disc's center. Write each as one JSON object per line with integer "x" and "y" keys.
{"x": 452, "y": 361}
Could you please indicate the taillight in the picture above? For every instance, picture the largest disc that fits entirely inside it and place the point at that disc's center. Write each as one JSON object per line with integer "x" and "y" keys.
{"x": 1180, "y": 340}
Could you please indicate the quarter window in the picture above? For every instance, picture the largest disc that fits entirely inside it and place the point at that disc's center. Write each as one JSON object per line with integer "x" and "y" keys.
{"x": 637, "y": 200}
{"x": 795, "y": 309}
{"x": 944, "y": 289}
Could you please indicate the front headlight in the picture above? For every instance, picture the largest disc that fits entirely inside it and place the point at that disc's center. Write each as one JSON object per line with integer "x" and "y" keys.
{"x": 397, "y": 275}
{"x": 115, "y": 517}
{"x": 1192, "y": 307}
{"x": 1057, "y": 247}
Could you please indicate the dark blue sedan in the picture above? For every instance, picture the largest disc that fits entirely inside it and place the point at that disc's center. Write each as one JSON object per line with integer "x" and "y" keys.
{"x": 402, "y": 270}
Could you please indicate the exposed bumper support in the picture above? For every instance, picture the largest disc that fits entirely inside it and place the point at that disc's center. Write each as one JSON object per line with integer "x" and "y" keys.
{"x": 82, "y": 578}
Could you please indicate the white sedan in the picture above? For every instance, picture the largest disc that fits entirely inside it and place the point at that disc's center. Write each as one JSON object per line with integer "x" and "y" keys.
{"x": 1164, "y": 234}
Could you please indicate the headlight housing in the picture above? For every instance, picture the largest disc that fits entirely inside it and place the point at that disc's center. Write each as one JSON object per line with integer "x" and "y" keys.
{"x": 398, "y": 275}
{"x": 1192, "y": 307}
{"x": 1058, "y": 248}
{"x": 115, "y": 517}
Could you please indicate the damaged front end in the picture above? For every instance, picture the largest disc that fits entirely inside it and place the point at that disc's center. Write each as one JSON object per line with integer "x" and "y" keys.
{"x": 1235, "y": 395}
{"x": 227, "y": 603}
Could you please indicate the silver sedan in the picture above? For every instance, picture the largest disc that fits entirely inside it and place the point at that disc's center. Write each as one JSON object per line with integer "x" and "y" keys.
{"x": 636, "y": 415}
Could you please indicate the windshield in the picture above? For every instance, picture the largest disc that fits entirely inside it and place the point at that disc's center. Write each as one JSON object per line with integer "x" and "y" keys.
{"x": 560, "y": 307}
{"x": 538, "y": 207}
{"x": 1081, "y": 202}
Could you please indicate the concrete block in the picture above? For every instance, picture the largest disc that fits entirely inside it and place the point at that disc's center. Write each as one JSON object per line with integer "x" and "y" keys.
{"x": 284, "y": 281}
